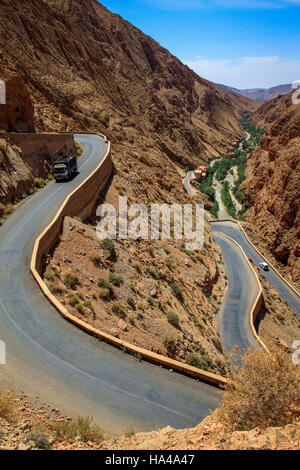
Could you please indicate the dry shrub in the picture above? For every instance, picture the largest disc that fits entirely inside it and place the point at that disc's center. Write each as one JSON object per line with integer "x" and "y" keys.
{"x": 73, "y": 300}
{"x": 3, "y": 145}
{"x": 104, "y": 293}
{"x": 108, "y": 245}
{"x": 137, "y": 266}
{"x": 170, "y": 343}
{"x": 83, "y": 428}
{"x": 201, "y": 362}
{"x": 50, "y": 275}
{"x": 95, "y": 258}
{"x": 115, "y": 280}
{"x": 9, "y": 209}
{"x": 263, "y": 391}
{"x": 173, "y": 318}
{"x": 56, "y": 287}
{"x": 40, "y": 439}
{"x": 71, "y": 279}
{"x": 39, "y": 183}
{"x": 118, "y": 309}
{"x": 6, "y": 405}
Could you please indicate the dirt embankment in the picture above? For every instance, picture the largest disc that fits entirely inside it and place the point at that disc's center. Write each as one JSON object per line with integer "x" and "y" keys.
{"x": 39, "y": 151}
{"x": 28, "y": 424}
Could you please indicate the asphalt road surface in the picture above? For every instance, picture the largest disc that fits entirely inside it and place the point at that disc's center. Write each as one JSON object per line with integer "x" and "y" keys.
{"x": 186, "y": 182}
{"x": 234, "y": 319}
{"x": 49, "y": 357}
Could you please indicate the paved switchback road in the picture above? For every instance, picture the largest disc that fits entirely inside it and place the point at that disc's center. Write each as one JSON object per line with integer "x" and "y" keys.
{"x": 49, "y": 357}
{"x": 232, "y": 230}
{"x": 234, "y": 317}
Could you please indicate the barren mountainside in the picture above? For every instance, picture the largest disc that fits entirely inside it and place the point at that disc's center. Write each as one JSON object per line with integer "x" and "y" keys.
{"x": 272, "y": 185}
{"x": 88, "y": 69}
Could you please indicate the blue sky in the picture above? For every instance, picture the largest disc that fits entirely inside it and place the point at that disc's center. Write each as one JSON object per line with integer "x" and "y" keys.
{"x": 242, "y": 43}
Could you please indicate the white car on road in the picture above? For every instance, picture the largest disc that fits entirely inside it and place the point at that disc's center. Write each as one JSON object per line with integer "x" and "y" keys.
{"x": 264, "y": 266}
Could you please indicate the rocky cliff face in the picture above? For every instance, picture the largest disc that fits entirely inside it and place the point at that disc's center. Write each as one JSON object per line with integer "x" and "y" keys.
{"x": 15, "y": 176}
{"x": 26, "y": 160}
{"x": 17, "y": 115}
{"x": 88, "y": 69}
{"x": 272, "y": 186}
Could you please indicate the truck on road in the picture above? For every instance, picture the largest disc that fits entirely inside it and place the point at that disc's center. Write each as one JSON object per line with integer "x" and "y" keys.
{"x": 65, "y": 167}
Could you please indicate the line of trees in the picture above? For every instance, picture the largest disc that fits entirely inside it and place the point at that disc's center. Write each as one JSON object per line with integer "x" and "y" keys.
{"x": 223, "y": 166}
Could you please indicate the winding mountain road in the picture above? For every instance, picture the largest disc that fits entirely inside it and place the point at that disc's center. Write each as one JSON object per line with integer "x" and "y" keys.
{"x": 186, "y": 182}
{"x": 66, "y": 367}
{"x": 234, "y": 316}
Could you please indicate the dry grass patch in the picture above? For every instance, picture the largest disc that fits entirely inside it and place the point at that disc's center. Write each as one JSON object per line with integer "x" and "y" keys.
{"x": 170, "y": 343}
{"x": 118, "y": 309}
{"x": 71, "y": 280}
{"x": 201, "y": 362}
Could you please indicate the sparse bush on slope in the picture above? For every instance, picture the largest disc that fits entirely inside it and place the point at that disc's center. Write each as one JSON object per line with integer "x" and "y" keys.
{"x": 264, "y": 391}
{"x": 6, "y": 405}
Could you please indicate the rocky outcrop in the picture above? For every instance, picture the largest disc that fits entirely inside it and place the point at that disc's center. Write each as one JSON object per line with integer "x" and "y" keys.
{"x": 272, "y": 185}
{"x": 211, "y": 435}
{"x": 39, "y": 151}
{"x": 17, "y": 115}
{"x": 15, "y": 176}
{"x": 25, "y": 158}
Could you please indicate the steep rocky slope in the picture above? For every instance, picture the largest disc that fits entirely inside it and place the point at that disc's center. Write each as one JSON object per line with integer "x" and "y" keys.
{"x": 28, "y": 424}
{"x": 31, "y": 426}
{"x": 272, "y": 185}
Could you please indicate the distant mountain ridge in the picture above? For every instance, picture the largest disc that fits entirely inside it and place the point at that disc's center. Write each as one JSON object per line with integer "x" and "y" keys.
{"x": 262, "y": 94}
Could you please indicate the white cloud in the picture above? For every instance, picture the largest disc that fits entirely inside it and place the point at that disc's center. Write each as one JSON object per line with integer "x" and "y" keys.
{"x": 200, "y": 4}
{"x": 251, "y": 4}
{"x": 248, "y": 72}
